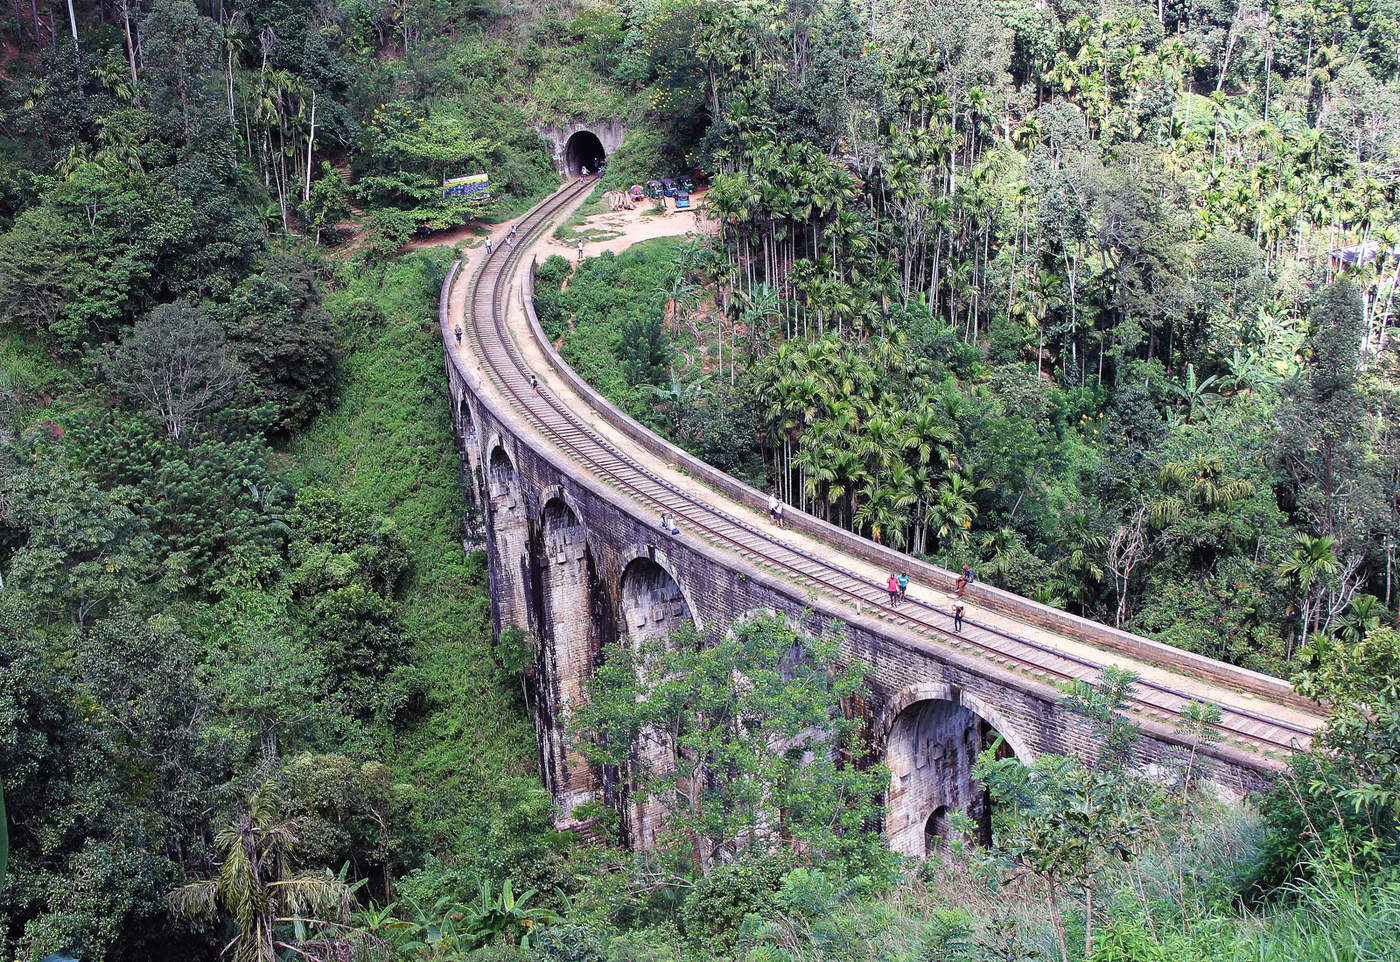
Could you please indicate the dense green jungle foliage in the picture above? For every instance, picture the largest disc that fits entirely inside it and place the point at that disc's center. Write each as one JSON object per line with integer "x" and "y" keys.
{"x": 1042, "y": 287}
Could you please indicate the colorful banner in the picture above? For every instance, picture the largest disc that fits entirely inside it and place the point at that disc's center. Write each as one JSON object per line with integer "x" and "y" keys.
{"x": 474, "y": 185}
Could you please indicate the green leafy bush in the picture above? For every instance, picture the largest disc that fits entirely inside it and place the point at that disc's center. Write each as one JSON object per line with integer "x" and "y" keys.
{"x": 713, "y": 912}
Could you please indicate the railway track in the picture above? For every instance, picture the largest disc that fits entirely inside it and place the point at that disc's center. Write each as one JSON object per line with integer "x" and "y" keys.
{"x": 1256, "y": 732}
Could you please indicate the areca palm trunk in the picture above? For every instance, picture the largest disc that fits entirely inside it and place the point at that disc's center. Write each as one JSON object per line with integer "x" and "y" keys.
{"x": 310, "y": 143}
{"x": 131, "y": 50}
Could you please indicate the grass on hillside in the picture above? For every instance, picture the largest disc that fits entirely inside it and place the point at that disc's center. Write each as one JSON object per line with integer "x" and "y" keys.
{"x": 602, "y": 293}
{"x": 388, "y": 445}
{"x": 30, "y": 381}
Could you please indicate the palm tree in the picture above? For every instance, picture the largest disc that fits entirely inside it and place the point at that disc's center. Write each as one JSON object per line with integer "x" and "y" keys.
{"x": 1079, "y": 566}
{"x": 1306, "y": 569}
{"x": 1049, "y": 595}
{"x": 507, "y": 917}
{"x": 257, "y": 887}
{"x": 678, "y": 396}
{"x": 953, "y": 510}
{"x": 1199, "y": 482}
{"x": 999, "y": 551}
{"x": 1362, "y": 617}
{"x": 885, "y": 505}
{"x": 677, "y": 299}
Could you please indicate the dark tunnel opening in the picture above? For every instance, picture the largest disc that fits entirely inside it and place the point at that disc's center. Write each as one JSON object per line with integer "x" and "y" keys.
{"x": 584, "y": 149}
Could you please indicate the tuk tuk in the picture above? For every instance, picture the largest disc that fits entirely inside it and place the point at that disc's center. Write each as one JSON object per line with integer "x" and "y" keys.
{"x": 668, "y": 186}
{"x": 688, "y": 184}
{"x": 654, "y": 189}
{"x": 682, "y": 200}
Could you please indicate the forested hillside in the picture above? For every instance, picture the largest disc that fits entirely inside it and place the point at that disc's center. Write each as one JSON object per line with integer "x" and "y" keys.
{"x": 235, "y": 605}
{"x": 1099, "y": 298}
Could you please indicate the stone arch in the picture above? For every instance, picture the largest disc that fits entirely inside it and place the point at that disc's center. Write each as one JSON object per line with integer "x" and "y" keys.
{"x": 469, "y": 453}
{"x": 468, "y": 438}
{"x": 794, "y": 622}
{"x": 938, "y": 691}
{"x": 937, "y": 830}
{"x": 467, "y": 423}
{"x": 500, "y": 471}
{"x": 647, "y": 571}
{"x": 507, "y": 547}
{"x": 651, "y": 604}
{"x": 559, "y": 510}
{"x": 570, "y": 633}
{"x": 932, "y": 734}
{"x": 584, "y": 148}
{"x": 610, "y": 134}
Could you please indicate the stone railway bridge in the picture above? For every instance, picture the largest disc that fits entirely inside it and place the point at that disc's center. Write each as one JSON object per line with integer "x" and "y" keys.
{"x": 571, "y": 491}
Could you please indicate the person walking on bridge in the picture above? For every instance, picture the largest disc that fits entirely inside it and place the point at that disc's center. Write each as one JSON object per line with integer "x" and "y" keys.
{"x": 903, "y": 584}
{"x": 894, "y": 591}
{"x": 488, "y": 247}
{"x": 535, "y": 385}
{"x": 958, "y": 618}
{"x": 773, "y": 507}
{"x": 457, "y": 329}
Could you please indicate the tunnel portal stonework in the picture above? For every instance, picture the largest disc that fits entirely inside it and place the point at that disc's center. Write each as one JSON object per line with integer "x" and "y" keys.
{"x": 582, "y": 570}
{"x": 610, "y": 134}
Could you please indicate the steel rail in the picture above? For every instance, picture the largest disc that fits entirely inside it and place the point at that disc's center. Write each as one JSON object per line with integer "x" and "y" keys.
{"x": 488, "y": 297}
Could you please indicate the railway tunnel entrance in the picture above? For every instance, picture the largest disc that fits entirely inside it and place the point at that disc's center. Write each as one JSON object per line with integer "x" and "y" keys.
{"x": 583, "y": 149}
{"x": 931, "y": 748}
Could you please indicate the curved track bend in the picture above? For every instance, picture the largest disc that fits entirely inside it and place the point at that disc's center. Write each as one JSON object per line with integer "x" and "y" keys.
{"x": 1261, "y": 727}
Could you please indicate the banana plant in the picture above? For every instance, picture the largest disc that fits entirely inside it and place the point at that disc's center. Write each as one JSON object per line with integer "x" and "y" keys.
{"x": 507, "y": 917}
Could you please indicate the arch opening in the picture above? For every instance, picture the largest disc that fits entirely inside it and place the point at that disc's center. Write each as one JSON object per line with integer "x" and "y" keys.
{"x": 653, "y": 604}
{"x": 652, "y": 607}
{"x": 467, "y": 425}
{"x": 559, "y": 524}
{"x": 571, "y": 645}
{"x": 932, "y": 747}
{"x": 501, "y": 471}
{"x": 937, "y": 830}
{"x": 583, "y": 149}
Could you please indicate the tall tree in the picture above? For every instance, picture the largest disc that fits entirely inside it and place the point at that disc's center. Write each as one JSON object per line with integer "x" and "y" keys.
{"x": 259, "y": 888}
{"x": 177, "y": 363}
{"x": 754, "y": 734}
